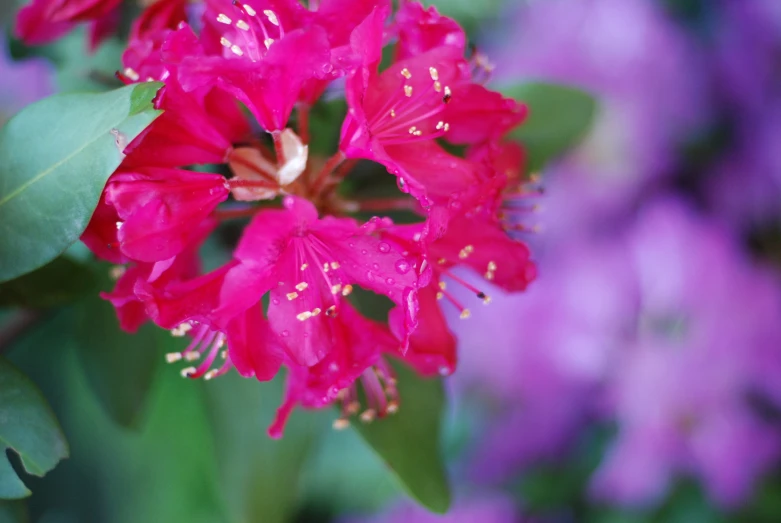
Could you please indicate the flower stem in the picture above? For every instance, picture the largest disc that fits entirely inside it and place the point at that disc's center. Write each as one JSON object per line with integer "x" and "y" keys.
{"x": 332, "y": 163}
{"x": 277, "y": 136}
{"x": 303, "y": 123}
{"x": 387, "y": 204}
{"x": 229, "y": 214}
{"x": 233, "y": 182}
{"x": 237, "y": 159}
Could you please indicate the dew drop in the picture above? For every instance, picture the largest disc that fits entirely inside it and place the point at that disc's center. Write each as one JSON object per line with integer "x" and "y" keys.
{"x": 402, "y": 185}
{"x": 364, "y": 252}
{"x": 402, "y": 266}
{"x": 390, "y": 281}
{"x": 383, "y": 247}
{"x": 370, "y": 275}
{"x": 376, "y": 266}
{"x": 327, "y": 68}
{"x": 285, "y": 333}
{"x": 288, "y": 202}
{"x": 275, "y": 301}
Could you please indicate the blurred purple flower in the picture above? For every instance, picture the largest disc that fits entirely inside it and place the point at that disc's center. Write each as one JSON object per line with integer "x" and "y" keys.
{"x": 488, "y": 509}
{"x": 747, "y": 38}
{"x": 645, "y": 73}
{"x": 22, "y": 83}
{"x": 746, "y": 186}
{"x": 667, "y": 329}
{"x": 708, "y": 339}
{"x": 546, "y": 354}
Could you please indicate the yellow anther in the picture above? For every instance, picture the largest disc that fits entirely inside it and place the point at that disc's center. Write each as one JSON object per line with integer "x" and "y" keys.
{"x": 291, "y": 296}
{"x": 272, "y": 17}
{"x": 302, "y": 286}
{"x": 341, "y": 424}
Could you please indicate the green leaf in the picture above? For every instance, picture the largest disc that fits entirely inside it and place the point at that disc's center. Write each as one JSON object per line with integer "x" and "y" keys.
{"x": 55, "y": 158}
{"x": 28, "y": 426}
{"x": 13, "y": 512}
{"x": 56, "y": 283}
{"x": 259, "y": 476}
{"x": 120, "y": 366}
{"x": 559, "y": 117}
{"x": 409, "y": 441}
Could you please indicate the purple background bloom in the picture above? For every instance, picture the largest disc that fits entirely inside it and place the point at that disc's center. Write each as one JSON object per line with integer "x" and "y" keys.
{"x": 22, "y": 83}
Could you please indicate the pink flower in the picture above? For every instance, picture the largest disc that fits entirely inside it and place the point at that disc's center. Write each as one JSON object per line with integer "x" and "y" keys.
{"x": 264, "y": 64}
{"x": 159, "y": 209}
{"x": 396, "y": 116}
{"x": 355, "y": 346}
{"x": 300, "y": 249}
{"x": 159, "y": 16}
{"x": 315, "y": 263}
{"x": 422, "y": 29}
{"x": 44, "y": 21}
{"x": 198, "y": 127}
{"x": 186, "y": 265}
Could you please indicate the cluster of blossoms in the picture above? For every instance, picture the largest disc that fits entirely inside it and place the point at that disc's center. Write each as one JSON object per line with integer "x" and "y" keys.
{"x": 303, "y": 248}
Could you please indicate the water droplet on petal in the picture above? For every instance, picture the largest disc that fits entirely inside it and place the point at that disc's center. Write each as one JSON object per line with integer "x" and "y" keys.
{"x": 376, "y": 266}
{"x": 383, "y": 247}
{"x": 402, "y": 266}
{"x": 288, "y": 202}
{"x": 364, "y": 252}
{"x": 390, "y": 281}
{"x": 275, "y": 301}
{"x": 369, "y": 275}
{"x": 402, "y": 185}
{"x": 285, "y": 334}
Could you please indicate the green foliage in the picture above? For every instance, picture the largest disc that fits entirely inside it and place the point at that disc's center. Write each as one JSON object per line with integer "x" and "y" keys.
{"x": 13, "y": 512}
{"x": 259, "y": 476}
{"x": 120, "y": 366}
{"x": 27, "y": 426}
{"x": 55, "y": 158}
{"x": 559, "y": 117}
{"x": 409, "y": 441}
{"x": 56, "y": 283}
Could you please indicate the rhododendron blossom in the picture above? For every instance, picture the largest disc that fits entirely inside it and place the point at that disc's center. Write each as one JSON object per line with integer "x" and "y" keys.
{"x": 238, "y": 86}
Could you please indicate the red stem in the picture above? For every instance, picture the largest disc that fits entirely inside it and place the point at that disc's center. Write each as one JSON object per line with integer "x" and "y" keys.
{"x": 233, "y": 182}
{"x": 332, "y": 163}
{"x": 303, "y": 123}
{"x": 277, "y": 136}
{"x": 228, "y": 214}
{"x": 241, "y": 161}
{"x": 387, "y": 204}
